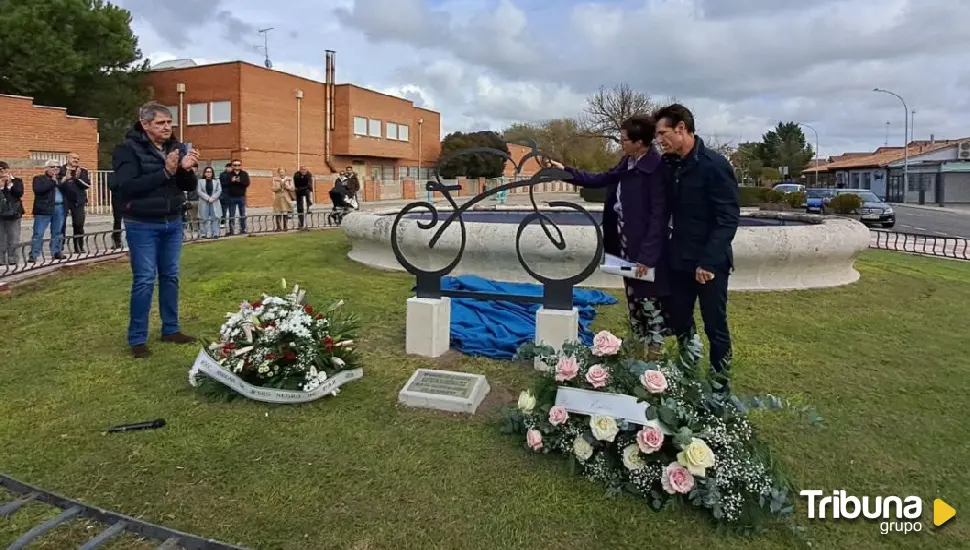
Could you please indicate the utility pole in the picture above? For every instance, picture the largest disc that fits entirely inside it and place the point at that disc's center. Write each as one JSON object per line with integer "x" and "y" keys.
{"x": 265, "y": 33}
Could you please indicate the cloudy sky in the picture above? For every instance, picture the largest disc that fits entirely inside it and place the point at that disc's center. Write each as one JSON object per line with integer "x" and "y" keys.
{"x": 741, "y": 65}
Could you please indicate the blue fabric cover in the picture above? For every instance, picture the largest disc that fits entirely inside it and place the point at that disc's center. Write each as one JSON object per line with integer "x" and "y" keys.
{"x": 496, "y": 329}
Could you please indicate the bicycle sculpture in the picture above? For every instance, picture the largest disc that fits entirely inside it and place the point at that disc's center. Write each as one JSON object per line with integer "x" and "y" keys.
{"x": 557, "y": 293}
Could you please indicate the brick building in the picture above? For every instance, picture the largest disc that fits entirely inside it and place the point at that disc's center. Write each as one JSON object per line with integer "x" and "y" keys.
{"x": 33, "y": 134}
{"x": 270, "y": 119}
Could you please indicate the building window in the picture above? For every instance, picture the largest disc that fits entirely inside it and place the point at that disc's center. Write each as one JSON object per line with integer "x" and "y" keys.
{"x": 391, "y": 130}
{"x": 360, "y": 126}
{"x": 375, "y": 128}
{"x": 220, "y": 112}
{"x": 198, "y": 113}
{"x": 867, "y": 180}
{"x": 402, "y": 132}
{"x": 40, "y": 157}
{"x": 174, "y": 110}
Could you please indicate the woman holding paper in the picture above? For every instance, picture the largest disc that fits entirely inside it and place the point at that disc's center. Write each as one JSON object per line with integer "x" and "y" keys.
{"x": 636, "y": 224}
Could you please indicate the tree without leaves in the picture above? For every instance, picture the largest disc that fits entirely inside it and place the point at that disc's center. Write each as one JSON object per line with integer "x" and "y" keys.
{"x": 607, "y": 109}
{"x": 747, "y": 162}
{"x": 477, "y": 165}
{"x": 77, "y": 54}
{"x": 786, "y": 145}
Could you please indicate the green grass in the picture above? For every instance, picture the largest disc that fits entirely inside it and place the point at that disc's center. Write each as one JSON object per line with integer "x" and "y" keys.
{"x": 884, "y": 361}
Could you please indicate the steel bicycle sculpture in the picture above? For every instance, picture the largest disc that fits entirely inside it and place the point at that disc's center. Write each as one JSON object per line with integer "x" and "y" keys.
{"x": 557, "y": 293}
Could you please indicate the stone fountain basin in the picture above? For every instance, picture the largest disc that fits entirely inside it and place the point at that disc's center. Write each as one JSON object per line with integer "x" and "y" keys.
{"x": 772, "y": 250}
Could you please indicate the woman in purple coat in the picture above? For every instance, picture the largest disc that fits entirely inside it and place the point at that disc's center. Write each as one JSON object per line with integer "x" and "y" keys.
{"x": 636, "y": 223}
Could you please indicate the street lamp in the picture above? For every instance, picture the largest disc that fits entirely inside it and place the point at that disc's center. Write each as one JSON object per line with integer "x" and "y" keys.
{"x": 905, "y": 143}
{"x": 816, "y": 149}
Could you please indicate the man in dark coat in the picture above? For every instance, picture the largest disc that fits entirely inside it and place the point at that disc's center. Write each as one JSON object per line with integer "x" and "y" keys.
{"x": 153, "y": 172}
{"x": 303, "y": 182}
{"x": 48, "y": 212}
{"x": 635, "y": 222}
{"x": 76, "y": 182}
{"x": 705, "y": 214}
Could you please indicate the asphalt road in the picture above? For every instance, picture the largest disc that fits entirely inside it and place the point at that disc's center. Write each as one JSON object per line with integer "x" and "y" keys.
{"x": 928, "y": 222}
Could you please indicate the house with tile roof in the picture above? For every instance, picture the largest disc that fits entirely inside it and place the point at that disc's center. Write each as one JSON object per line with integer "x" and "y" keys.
{"x": 940, "y": 175}
{"x": 876, "y": 171}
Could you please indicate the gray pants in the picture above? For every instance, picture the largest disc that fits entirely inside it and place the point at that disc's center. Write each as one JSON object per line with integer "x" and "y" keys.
{"x": 10, "y": 241}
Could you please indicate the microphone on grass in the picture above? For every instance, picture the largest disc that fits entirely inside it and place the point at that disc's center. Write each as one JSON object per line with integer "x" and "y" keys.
{"x": 149, "y": 425}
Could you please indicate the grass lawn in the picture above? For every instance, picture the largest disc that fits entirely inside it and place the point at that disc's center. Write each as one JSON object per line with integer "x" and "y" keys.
{"x": 884, "y": 361}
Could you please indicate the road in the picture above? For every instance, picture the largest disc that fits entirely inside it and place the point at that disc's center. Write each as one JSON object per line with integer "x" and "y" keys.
{"x": 929, "y": 222}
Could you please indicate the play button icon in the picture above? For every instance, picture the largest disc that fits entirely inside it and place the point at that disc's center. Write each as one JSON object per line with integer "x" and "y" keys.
{"x": 942, "y": 512}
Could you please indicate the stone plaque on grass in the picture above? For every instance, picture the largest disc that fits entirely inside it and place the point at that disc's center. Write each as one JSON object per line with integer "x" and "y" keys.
{"x": 444, "y": 390}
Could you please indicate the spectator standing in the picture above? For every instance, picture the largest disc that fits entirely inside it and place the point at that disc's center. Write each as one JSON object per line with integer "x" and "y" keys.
{"x": 154, "y": 172}
{"x": 11, "y": 210}
{"x": 48, "y": 212}
{"x": 224, "y": 197}
{"x": 303, "y": 183}
{"x": 283, "y": 195}
{"x": 238, "y": 183}
{"x": 210, "y": 209}
{"x": 76, "y": 181}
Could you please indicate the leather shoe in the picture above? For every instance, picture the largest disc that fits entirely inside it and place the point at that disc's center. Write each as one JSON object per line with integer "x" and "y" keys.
{"x": 140, "y": 351}
{"x": 178, "y": 338}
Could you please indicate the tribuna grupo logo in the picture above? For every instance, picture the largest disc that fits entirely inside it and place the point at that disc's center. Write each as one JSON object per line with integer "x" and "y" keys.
{"x": 898, "y": 514}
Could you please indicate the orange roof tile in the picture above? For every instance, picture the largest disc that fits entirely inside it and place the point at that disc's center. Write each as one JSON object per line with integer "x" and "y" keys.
{"x": 882, "y": 156}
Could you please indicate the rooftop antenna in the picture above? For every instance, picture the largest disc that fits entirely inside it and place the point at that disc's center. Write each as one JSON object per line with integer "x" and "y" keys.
{"x": 265, "y": 33}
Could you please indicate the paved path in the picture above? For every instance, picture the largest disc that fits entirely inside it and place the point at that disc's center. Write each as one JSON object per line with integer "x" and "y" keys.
{"x": 949, "y": 222}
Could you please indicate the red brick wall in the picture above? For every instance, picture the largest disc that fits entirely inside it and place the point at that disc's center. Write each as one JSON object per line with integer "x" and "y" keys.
{"x": 264, "y": 122}
{"x": 28, "y": 127}
{"x": 517, "y": 152}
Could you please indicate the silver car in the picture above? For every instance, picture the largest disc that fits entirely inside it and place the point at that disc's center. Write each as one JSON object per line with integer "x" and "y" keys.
{"x": 874, "y": 211}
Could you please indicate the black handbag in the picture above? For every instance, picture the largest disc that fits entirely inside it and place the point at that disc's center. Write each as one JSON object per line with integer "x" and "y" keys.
{"x": 10, "y": 208}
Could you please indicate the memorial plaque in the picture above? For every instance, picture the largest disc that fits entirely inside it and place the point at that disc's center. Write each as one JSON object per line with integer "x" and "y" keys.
{"x": 444, "y": 390}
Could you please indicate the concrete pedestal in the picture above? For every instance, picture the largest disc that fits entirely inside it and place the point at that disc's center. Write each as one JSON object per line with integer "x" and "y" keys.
{"x": 428, "y": 326}
{"x": 555, "y": 327}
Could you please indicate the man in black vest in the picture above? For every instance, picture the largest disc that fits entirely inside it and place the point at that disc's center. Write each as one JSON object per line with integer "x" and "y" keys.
{"x": 705, "y": 212}
{"x": 303, "y": 182}
{"x": 76, "y": 182}
{"x": 152, "y": 172}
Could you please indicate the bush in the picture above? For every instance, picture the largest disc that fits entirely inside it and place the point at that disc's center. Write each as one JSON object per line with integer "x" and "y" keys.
{"x": 593, "y": 195}
{"x": 774, "y": 197}
{"x": 796, "y": 199}
{"x": 845, "y": 204}
{"x": 752, "y": 196}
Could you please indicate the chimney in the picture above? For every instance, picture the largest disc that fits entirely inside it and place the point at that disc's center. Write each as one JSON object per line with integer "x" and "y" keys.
{"x": 329, "y": 90}
{"x": 932, "y": 139}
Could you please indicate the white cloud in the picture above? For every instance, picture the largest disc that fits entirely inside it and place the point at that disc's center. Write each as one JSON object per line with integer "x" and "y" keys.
{"x": 741, "y": 65}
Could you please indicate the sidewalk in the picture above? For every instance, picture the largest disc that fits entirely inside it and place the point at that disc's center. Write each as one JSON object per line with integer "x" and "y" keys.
{"x": 963, "y": 209}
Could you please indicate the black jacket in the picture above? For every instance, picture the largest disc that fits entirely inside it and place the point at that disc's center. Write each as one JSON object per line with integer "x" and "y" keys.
{"x": 704, "y": 208}
{"x": 146, "y": 191}
{"x": 77, "y": 187}
{"x": 44, "y": 194}
{"x": 14, "y": 195}
{"x": 302, "y": 182}
{"x": 236, "y": 189}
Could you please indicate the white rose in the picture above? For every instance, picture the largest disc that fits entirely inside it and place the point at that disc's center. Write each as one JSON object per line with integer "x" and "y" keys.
{"x": 527, "y": 401}
{"x": 604, "y": 427}
{"x": 582, "y": 449}
{"x": 632, "y": 459}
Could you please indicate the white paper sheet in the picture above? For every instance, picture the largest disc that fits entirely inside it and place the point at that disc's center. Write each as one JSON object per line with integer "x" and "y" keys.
{"x": 618, "y": 266}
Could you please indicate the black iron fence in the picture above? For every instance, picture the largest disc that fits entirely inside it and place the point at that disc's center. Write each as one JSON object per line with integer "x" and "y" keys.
{"x": 64, "y": 250}
{"x": 956, "y": 248}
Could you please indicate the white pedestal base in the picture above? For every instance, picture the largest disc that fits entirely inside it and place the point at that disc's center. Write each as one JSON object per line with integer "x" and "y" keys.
{"x": 428, "y": 329}
{"x": 555, "y": 327}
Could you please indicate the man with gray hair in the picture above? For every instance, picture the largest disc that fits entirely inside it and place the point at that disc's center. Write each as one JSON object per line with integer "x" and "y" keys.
{"x": 152, "y": 171}
{"x": 48, "y": 212}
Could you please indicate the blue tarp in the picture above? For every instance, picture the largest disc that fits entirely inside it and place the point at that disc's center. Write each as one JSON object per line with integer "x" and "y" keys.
{"x": 496, "y": 329}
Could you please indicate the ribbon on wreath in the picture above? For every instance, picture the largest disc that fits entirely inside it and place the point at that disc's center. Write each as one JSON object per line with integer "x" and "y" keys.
{"x": 205, "y": 364}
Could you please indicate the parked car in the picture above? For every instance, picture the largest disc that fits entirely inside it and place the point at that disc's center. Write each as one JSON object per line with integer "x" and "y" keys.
{"x": 817, "y": 199}
{"x": 874, "y": 210}
{"x": 788, "y": 187}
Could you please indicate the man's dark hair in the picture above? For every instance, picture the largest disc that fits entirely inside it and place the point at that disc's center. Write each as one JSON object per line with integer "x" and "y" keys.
{"x": 229, "y": 164}
{"x": 641, "y": 128}
{"x": 676, "y": 114}
{"x": 4, "y": 165}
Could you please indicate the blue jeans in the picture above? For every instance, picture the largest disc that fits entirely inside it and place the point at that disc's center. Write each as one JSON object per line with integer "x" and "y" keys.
{"x": 209, "y": 214}
{"x": 155, "y": 249}
{"x": 237, "y": 204}
{"x": 41, "y": 223}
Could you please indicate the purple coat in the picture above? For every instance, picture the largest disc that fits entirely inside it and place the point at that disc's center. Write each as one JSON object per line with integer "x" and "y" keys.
{"x": 646, "y": 217}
